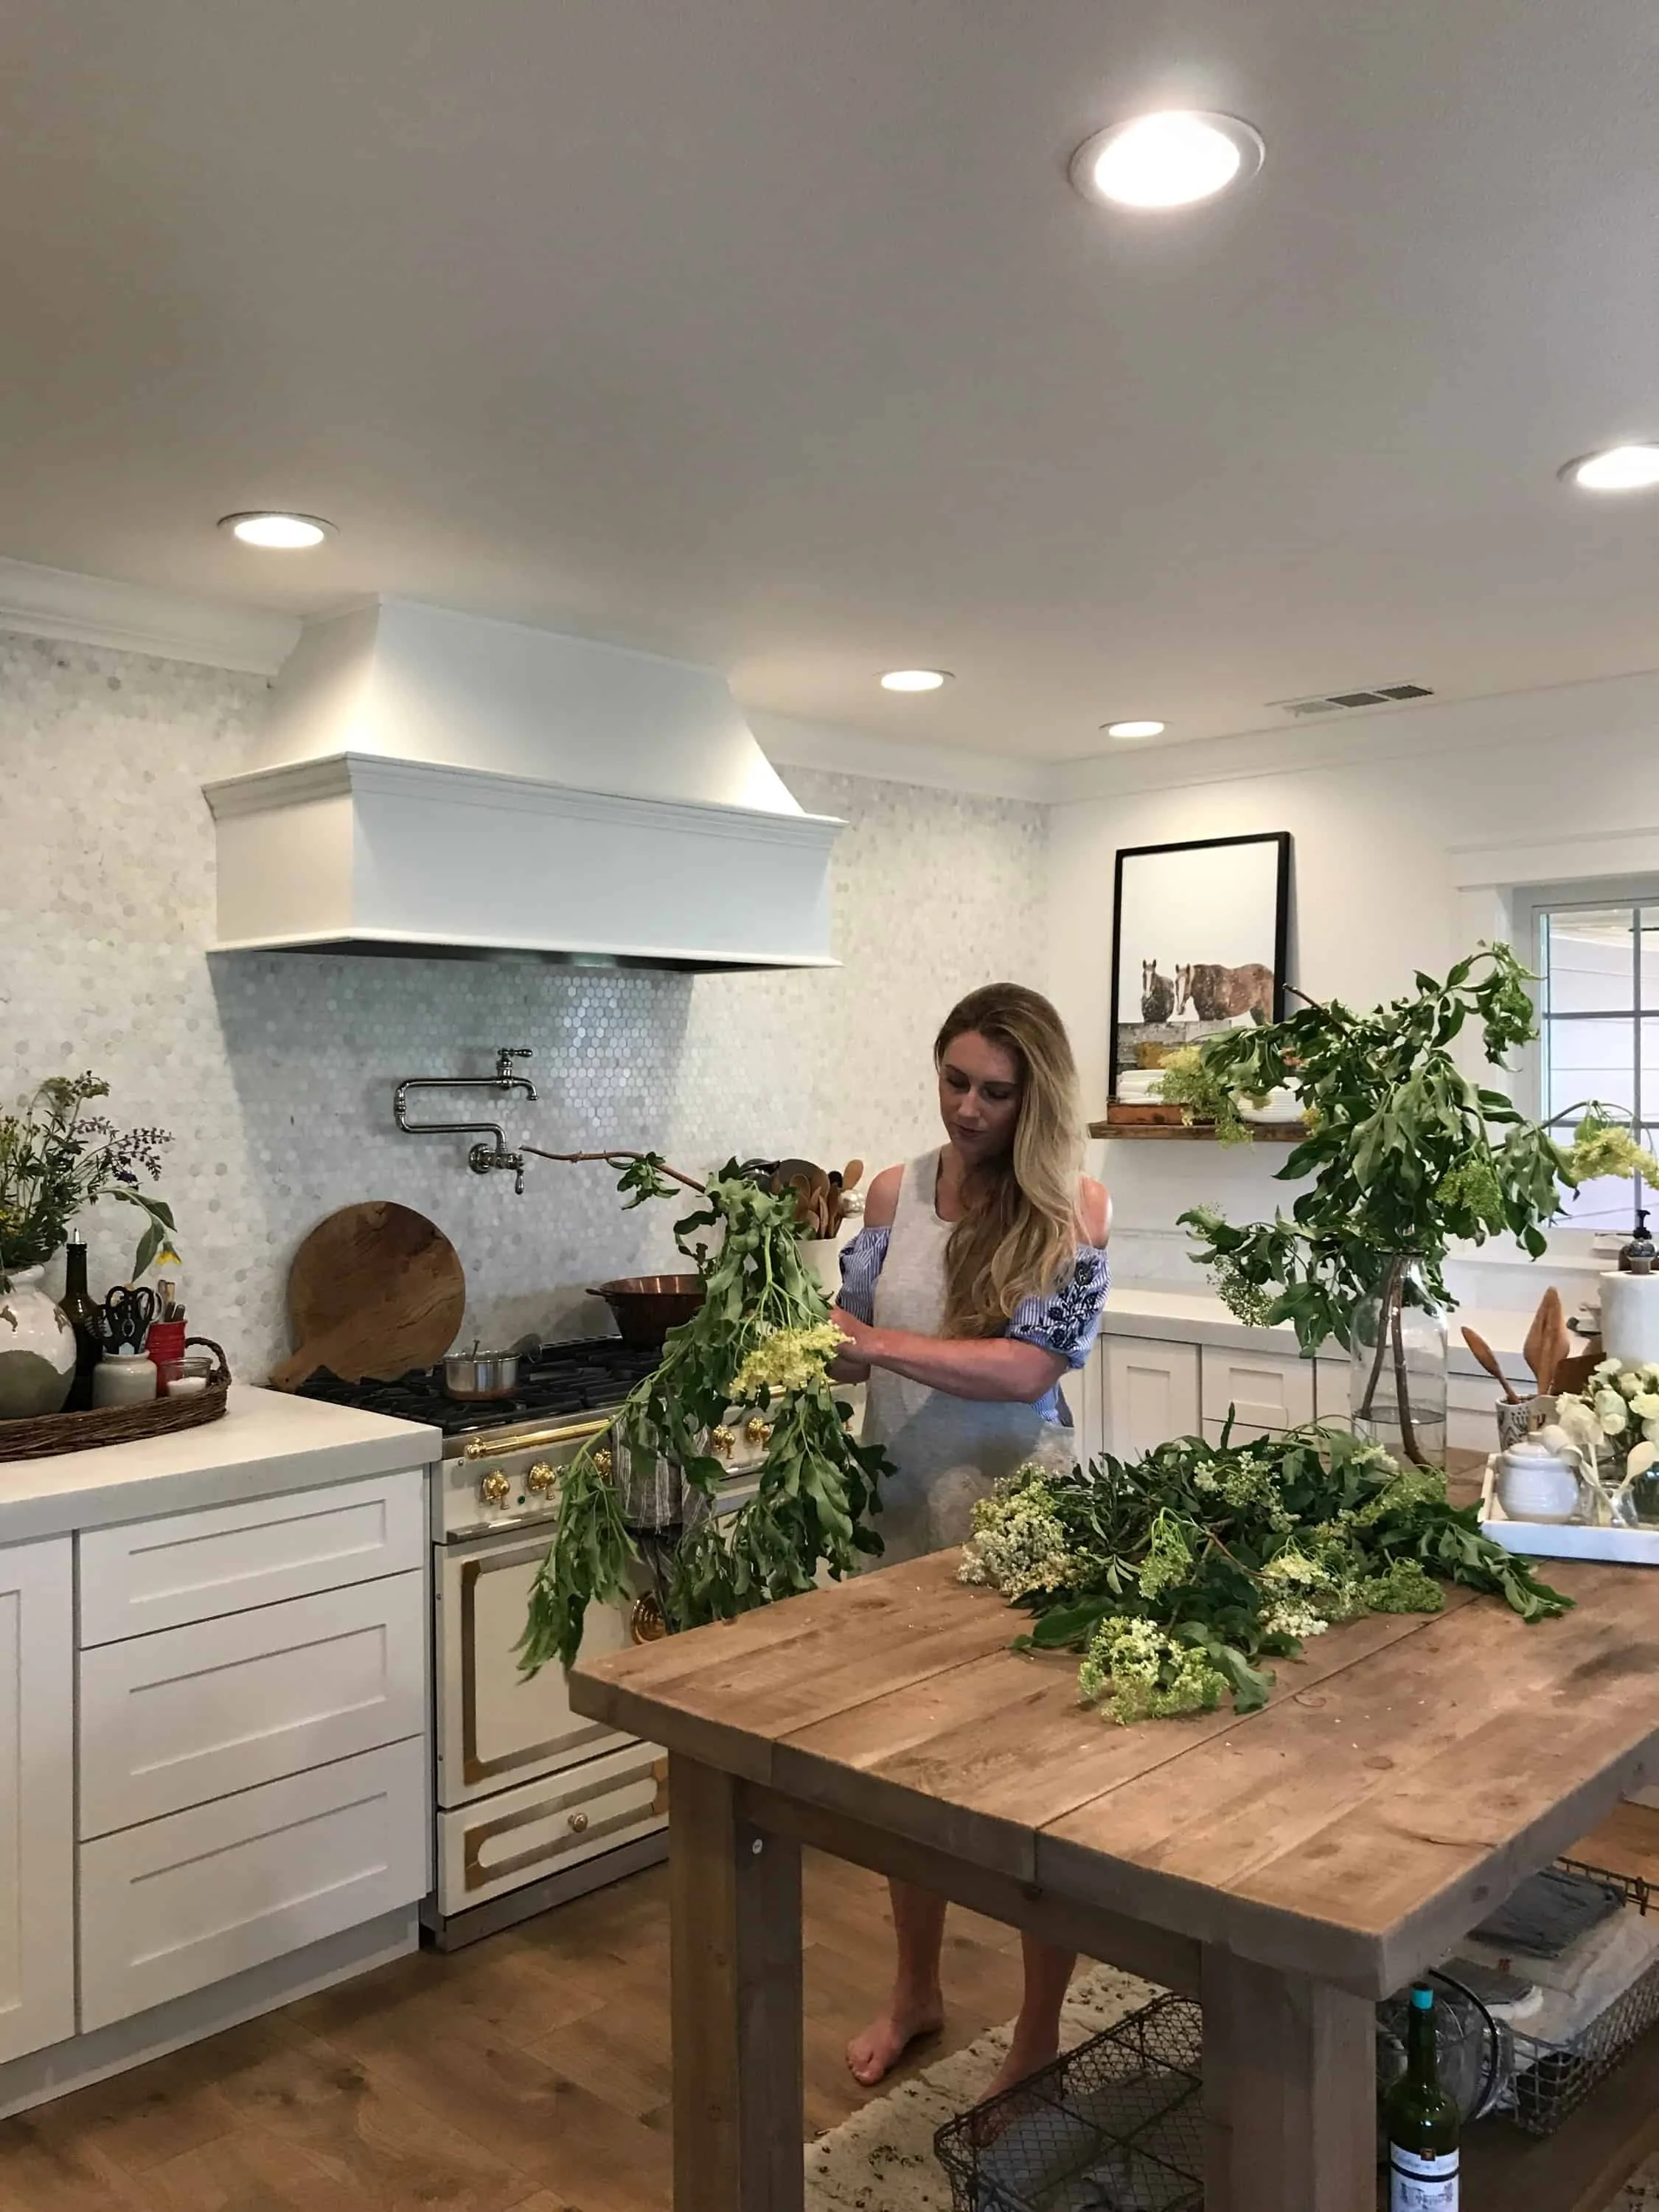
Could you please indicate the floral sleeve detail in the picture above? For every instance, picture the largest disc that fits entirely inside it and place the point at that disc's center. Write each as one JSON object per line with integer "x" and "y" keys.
{"x": 1068, "y": 1319}
{"x": 860, "y": 1263}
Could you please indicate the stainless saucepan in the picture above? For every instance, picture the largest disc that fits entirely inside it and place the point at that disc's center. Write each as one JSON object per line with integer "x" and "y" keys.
{"x": 475, "y": 1374}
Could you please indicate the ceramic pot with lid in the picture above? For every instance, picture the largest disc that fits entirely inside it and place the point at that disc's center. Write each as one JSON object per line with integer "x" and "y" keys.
{"x": 1537, "y": 1484}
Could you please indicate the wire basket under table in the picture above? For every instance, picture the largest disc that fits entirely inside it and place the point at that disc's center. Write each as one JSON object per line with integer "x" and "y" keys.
{"x": 1115, "y": 2125}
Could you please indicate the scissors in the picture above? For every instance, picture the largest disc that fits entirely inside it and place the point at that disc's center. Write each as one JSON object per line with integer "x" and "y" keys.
{"x": 128, "y": 1314}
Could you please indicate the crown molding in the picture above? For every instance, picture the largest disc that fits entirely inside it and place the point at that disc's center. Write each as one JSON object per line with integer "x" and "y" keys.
{"x": 137, "y": 618}
{"x": 1565, "y": 714}
{"x": 835, "y": 751}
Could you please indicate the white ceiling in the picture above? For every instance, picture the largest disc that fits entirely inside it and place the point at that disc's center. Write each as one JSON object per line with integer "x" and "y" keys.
{"x": 768, "y": 332}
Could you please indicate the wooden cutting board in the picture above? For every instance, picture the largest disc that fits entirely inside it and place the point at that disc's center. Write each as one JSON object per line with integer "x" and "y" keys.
{"x": 373, "y": 1291}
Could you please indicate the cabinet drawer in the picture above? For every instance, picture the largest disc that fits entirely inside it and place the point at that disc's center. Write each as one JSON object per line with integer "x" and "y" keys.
{"x": 522, "y": 1835}
{"x": 176, "y": 1718}
{"x": 226, "y": 1559}
{"x": 1264, "y": 1393}
{"x": 181, "y": 1903}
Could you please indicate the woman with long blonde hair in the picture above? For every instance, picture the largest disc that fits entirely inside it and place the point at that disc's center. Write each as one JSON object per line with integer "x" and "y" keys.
{"x": 975, "y": 1285}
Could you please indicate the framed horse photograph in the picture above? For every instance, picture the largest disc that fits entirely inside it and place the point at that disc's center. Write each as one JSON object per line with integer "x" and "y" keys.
{"x": 1199, "y": 937}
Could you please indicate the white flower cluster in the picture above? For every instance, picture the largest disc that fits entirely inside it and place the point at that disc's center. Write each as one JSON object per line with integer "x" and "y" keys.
{"x": 1620, "y": 1413}
{"x": 787, "y": 1359}
{"x": 1017, "y": 1545}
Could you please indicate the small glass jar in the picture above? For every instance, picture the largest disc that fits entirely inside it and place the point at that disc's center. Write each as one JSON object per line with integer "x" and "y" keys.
{"x": 184, "y": 1378}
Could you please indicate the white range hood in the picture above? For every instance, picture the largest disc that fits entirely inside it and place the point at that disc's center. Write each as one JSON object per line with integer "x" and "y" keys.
{"x": 436, "y": 783}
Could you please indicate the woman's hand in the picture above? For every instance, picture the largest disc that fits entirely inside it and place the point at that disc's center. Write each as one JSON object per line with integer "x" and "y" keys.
{"x": 851, "y": 1365}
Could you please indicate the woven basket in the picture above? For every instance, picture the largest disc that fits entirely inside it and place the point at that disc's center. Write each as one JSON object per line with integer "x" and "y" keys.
{"x": 47, "y": 1433}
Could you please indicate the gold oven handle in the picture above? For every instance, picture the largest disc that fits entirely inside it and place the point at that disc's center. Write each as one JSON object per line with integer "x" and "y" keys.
{"x": 533, "y": 1440}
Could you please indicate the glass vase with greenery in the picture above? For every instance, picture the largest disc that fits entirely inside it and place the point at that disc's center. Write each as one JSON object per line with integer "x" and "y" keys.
{"x": 1405, "y": 1156}
{"x": 55, "y": 1159}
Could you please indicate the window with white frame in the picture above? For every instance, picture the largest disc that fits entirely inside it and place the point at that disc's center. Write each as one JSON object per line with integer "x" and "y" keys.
{"x": 1595, "y": 949}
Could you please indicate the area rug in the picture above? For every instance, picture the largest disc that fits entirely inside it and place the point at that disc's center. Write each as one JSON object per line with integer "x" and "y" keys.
{"x": 881, "y": 2159}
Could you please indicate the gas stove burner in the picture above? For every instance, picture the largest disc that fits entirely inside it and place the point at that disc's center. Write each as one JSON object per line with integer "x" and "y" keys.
{"x": 584, "y": 1375}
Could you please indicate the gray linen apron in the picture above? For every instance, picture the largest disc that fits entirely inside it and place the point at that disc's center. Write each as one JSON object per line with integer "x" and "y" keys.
{"x": 949, "y": 1452}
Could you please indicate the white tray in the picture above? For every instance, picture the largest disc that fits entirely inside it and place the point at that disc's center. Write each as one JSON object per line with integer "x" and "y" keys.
{"x": 1564, "y": 1540}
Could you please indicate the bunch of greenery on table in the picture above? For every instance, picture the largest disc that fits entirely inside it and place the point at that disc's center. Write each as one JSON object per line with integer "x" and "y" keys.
{"x": 1177, "y": 1575}
{"x": 748, "y": 1367}
{"x": 1405, "y": 1156}
{"x": 55, "y": 1159}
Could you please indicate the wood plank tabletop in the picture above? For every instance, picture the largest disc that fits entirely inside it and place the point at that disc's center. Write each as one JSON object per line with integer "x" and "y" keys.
{"x": 1408, "y": 1771}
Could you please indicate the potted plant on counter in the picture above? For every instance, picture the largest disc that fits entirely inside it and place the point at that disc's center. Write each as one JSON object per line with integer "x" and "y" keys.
{"x": 743, "y": 1388}
{"x": 55, "y": 1159}
{"x": 1405, "y": 1157}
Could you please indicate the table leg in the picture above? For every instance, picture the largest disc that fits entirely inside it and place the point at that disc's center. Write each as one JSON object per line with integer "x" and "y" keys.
{"x": 1290, "y": 2092}
{"x": 735, "y": 1965}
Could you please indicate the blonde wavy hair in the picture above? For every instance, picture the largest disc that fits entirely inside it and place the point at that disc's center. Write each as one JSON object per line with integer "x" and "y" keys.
{"x": 1020, "y": 1234}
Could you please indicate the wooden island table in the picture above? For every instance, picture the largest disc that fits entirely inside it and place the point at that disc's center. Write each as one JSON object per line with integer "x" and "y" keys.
{"x": 1287, "y": 1870}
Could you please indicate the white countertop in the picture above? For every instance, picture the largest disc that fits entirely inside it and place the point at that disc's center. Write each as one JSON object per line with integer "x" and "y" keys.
{"x": 1198, "y": 1316}
{"x": 266, "y": 1443}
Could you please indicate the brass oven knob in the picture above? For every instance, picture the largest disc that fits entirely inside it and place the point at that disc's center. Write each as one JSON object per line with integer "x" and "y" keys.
{"x": 540, "y": 1478}
{"x": 757, "y": 1431}
{"x": 722, "y": 1442}
{"x": 576, "y": 1823}
{"x": 602, "y": 1462}
{"x": 495, "y": 1489}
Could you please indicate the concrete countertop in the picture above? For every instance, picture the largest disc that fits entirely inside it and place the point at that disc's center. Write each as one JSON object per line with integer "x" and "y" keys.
{"x": 266, "y": 1443}
{"x": 1197, "y": 1317}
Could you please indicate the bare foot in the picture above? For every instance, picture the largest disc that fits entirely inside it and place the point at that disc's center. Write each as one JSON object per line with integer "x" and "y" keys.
{"x": 871, "y": 2056}
{"x": 1023, "y": 2058}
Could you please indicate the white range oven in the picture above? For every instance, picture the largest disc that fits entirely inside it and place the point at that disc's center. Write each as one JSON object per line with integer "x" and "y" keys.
{"x": 534, "y": 1804}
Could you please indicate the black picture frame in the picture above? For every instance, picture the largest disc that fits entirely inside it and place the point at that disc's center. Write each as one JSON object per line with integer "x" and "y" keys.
{"x": 1279, "y": 839}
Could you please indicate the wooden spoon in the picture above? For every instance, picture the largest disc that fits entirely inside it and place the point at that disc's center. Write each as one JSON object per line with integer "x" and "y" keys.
{"x": 1488, "y": 1358}
{"x": 852, "y": 1175}
{"x": 1548, "y": 1342}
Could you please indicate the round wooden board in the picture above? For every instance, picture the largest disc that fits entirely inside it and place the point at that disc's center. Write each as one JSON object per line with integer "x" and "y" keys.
{"x": 374, "y": 1290}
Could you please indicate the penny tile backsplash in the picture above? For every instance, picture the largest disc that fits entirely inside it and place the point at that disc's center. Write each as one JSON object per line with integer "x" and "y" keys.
{"x": 274, "y": 1072}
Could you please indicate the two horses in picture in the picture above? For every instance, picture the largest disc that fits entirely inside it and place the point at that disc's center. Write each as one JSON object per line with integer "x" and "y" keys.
{"x": 1213, "y": 993}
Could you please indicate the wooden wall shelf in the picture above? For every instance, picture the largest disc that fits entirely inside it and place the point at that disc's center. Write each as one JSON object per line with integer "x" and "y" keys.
{"x": 1166, "y": 1133}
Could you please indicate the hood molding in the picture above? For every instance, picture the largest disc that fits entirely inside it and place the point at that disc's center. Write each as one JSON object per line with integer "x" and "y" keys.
{"x": 358, "y": 854}
{"x": 436, "y": 784}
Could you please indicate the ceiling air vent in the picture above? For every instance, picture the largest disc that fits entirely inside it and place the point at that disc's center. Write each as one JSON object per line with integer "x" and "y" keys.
{"x": 1338, "y": 702}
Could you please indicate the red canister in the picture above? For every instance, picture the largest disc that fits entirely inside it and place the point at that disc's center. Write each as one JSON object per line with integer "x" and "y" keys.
{"x": 165, "y": 1342}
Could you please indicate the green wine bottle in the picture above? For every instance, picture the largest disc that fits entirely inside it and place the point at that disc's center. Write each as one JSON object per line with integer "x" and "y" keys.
{"x": 1422, "y": 2121}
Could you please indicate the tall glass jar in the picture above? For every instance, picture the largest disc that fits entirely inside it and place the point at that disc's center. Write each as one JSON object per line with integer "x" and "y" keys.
{"x": 1397, "y": 1365}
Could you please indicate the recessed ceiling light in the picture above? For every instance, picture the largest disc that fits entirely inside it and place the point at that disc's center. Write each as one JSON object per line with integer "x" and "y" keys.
{"x": 1133, "y": 729}
{"x": 1621, "y": 468}
{"x": 1167, "y": 160}
{"x": 916, "y": 679}
{"x": 285, "y": 533}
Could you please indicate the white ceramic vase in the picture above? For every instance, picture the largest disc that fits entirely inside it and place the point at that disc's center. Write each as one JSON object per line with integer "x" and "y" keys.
{"x": 37, "y": 1348}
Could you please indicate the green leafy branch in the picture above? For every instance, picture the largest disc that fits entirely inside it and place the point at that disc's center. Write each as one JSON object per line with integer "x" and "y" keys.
{"x": 763, "y": 1314}
{"x": 1178, "y": 1577}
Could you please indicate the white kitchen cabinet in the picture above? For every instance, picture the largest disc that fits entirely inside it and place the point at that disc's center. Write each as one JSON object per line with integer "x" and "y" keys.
{"x": 37, "y": 1795}
{"x": 1151, "y": 1393}
{"x": 1263, "y": 1392}
{"x": 225, "y": 1558}
{"x": 187, "y": 1714}
{"x": 179, "y": 1903}
{"x": 1085, "y": 1394}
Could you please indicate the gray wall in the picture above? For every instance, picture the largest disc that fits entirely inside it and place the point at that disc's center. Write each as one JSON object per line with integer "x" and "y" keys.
{"x": 274, "y": 1072}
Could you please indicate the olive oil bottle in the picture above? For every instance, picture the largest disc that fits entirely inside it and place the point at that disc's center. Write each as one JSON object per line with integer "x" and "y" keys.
{"x": 1421, "y": 2120}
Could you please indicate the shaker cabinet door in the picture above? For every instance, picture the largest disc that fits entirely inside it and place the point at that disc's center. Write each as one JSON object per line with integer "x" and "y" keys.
{"x": 1263, "y": 1392}
{"x": 1150, "y": 1394}
{"x": 37, "y": 1796}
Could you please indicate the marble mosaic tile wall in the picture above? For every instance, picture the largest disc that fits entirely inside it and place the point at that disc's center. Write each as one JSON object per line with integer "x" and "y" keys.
{"x": 276, "y": 1072}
